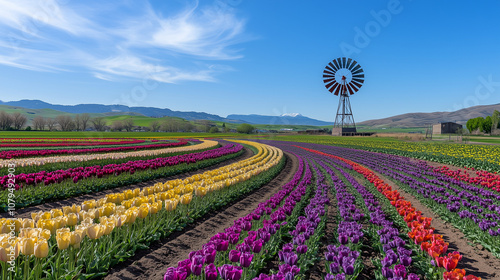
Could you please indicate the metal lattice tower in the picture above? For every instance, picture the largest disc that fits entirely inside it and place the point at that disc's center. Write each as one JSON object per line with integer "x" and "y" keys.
{"x": 343, "y": 77}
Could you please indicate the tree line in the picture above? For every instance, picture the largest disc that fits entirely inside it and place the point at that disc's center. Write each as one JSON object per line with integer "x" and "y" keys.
{"x": 490, "y": 124}
{"x": 82, "y": 122}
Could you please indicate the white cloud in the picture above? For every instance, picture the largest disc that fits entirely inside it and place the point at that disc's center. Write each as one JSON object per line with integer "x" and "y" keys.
{"x": 44, "y": 35}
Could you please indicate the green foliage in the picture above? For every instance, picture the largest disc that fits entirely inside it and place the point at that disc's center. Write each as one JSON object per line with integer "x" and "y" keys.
{"x": 487, "y": 125}
{"x": 495, "y": 119}
{"x": 28, "y": 128}
{"x": 214, "y": 129}
{"x": 475, "y": 124}
{"x": 245, "y": 128}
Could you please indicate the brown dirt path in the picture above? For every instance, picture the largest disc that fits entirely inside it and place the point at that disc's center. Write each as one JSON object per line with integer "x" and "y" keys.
{"x": 26, "y": 212}
{"x": 153, "y": 262}
{"x": 476, "y": 260}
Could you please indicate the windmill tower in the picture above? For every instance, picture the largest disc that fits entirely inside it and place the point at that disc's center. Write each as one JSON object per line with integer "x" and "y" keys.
{"x": 343, "y": 77}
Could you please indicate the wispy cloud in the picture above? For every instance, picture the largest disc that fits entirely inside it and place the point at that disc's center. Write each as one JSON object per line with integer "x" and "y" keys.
{"x": 134, "y": 42}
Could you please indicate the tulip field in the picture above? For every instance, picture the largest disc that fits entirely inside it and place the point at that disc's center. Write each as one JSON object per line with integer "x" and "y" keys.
{"x": 298, "y": 207}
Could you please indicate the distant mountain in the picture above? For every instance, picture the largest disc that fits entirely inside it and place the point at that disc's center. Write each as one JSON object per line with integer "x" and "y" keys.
{"x": 285, "y": 119}
{"x": 425, "y": 119}
{"x": 117, "y": 109}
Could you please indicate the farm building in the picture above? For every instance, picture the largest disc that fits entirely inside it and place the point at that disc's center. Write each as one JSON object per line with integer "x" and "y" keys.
{"x": 446, "y": 127}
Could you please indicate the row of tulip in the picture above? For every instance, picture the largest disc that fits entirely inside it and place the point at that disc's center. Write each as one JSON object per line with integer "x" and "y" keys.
{"x": 297, "y": 256}
{"x": 81, "y": 158}
{"x": 484, "y": 157}
{"x": 397, "y": 259}
{"x": 482, "y": 178}
{"x": 59, "y": 187}
{"x": 421, "y": 232}
{"x": 474, "y": 210}
{"x": 79, "y": 173}
{"x": 47, "y": 152}
{"x": 59, "y": 142}
{"x": 246, "y": 241}
{"x": 344, "y": 262}
{"x": 119, "y": 222}
{"x": 118, "y": 203}
{"x": 65, "y": 140}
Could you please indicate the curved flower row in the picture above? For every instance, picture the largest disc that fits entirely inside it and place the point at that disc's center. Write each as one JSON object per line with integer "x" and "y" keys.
{"x": 60, "y": 142}
{"x": 421, "y": 231}
{"x": 473, "y": 209}
{"x": 169, "y": 193}
{"x": 38, "y": 153}
{"x": 260, "y": 226}
{"x": 292, "y": 256}
{"x": 80, "y": 158}
{"x": 71, "y": 225}
{"x": 483, "y": 178}
{"x": 79, "y": 173}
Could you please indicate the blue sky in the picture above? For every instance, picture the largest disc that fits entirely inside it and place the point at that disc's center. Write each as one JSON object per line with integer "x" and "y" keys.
{"x": 251, "y": 56}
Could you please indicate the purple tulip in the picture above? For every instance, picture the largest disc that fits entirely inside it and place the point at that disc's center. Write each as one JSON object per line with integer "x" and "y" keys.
{"x": 246, "y": 259}
{"x": 257, "y": 246}
{"x": 229, "y": 272}
{"x": 171, "y": 274}
{"x": 329, "y": 277}
{"x": 222, "y": 245}
{"x": 387, "y": 272}
{"x": 343, "y": 239}
{"x": 196, "y": 269}
{"x": 348, "y": 266}
{"x": 234, "y": 255}
{"x": 413, "y": 276}
{"x": 329, "y": 256}
{"x": 386, "y": 262}
{"x": 400, "y": 270}
{"x": 210, "y": 254}
{"x": 210, "y": 272}
{"x": 234, "y": 238}
{"x": 185, "y": 264}
{"x": 405, "y": 260}
{"x": 340, "y": 276}
{"x": 334, "y": 268}
{"x": 302, "y": 249}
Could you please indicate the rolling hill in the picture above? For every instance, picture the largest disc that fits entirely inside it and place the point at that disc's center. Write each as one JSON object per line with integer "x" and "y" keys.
{"x": 425, "y": 119}
{"x": 116, "y": 109}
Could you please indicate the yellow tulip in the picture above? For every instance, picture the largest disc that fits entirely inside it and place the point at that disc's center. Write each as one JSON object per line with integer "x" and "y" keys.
{"x": 136, "y": 192}
{"x": 201, "y": 191}
{"x": 63, "y": 238}
{"x": 94, "y": 231}
{"x": 27, "y": 245}
{"x": 46, "y": 215}
{"x": 186, "y": 199}
{"x": 89, "y": 204}
{"x": 170, "y": 204}
{"x": 108, "y": 227}
{"x": 41, "y": 248}
{"x": 72, "y": 219}
{"x": 75, "y": 239}
{"x": 56, "y": 213}
{"x": 82, "y": 229}
{"x": 6, "y": 248}
{"x": 27, "y": 223}
{"x": 144, "y": 210}
{"x": 131, "y": 215}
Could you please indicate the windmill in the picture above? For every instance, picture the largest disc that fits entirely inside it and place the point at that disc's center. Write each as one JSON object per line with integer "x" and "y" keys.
{"x": 343, "y": 77}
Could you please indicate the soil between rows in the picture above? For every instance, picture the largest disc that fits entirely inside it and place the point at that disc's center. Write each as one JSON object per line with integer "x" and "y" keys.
{"x": 153, "y": 262}
{"x": 26, "y": 212}
{"x": 478, "y": 262}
